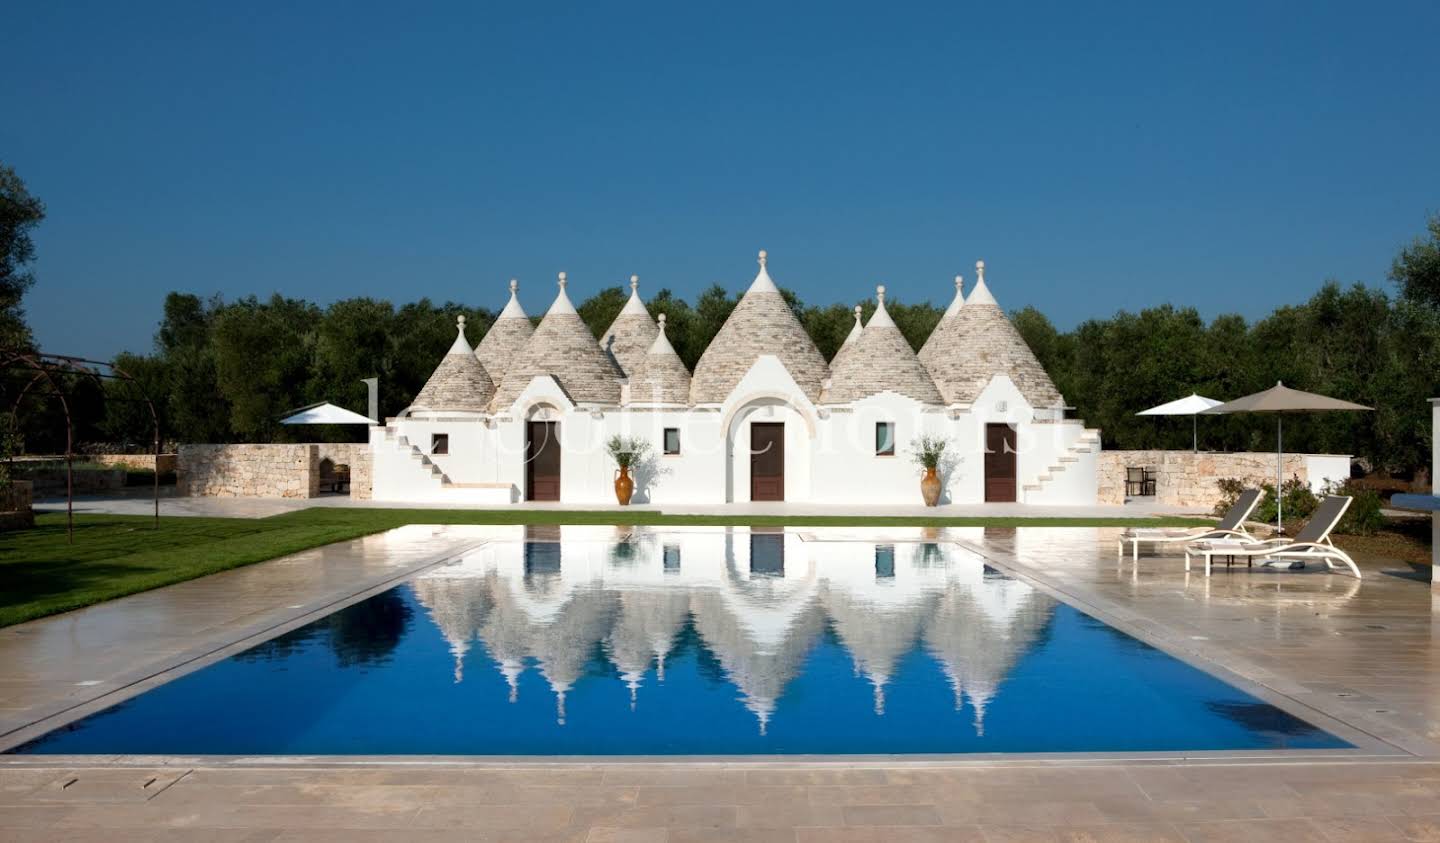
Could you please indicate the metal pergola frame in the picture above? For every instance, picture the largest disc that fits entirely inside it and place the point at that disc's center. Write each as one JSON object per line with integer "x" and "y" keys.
{"x": 49, "y": 371}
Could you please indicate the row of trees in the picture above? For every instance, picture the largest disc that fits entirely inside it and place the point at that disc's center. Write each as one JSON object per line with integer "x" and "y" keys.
{"x": 228, "y": 370}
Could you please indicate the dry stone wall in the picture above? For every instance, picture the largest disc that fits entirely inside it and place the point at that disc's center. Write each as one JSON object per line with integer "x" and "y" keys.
{"x": 267, "y": 471}
{"x": 1183, "y": 478}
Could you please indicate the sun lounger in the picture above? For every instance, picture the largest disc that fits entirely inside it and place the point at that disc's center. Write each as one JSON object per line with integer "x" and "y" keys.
{"x": 1230, "y": 526}
{"x": 1312, "y": 542}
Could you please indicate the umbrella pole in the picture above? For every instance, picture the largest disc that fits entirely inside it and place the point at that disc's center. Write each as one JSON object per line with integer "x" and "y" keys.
{"x": 1195, "y": 432}
{"x": 1279, "y": 473}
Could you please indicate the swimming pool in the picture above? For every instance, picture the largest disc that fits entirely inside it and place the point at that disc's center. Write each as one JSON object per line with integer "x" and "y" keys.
{"x": 698, "y": 642}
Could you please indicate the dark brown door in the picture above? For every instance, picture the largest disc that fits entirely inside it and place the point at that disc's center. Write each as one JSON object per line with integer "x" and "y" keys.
{"x": 542, "y": 461}
{"x": 767, "y": 461}
{"x": 1000, "y": 466}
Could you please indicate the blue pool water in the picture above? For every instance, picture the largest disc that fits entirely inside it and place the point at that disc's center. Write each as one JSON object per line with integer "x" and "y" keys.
{"x": 706, "y": 642}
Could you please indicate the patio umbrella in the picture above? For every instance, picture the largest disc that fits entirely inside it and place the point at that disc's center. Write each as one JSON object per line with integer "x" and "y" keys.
{"x": 325, "y": 413}
{"x": 1192, "y": 405}
{"x": 1281, "y": 399}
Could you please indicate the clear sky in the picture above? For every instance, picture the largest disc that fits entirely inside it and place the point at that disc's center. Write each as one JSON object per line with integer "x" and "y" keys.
{"x": 1232, "y": 156}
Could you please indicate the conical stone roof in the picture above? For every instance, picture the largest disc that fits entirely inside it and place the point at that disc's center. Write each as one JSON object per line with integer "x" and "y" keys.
{"x": 979, "y": 344}
{"x": 880, "y": 360}
{"x": 849, "y": 343}
{"x": 762, "y": 323}
{"x": 563, "y": 348}
{"x": 629, "y": 337}
{"x": 660, "y": 377}
{"x": 459, "y": 383}
{"x": 506, "y": 337}
{"x": 927, "y": 351}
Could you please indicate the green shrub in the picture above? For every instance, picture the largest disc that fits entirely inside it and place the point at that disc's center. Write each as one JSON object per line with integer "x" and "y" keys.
{"x": 1364, "y": 517}
{"x": 1299, "y": 500}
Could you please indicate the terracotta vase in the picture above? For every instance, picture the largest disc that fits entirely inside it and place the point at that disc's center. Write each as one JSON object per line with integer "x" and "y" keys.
{"x": 930, "y": 487}
{"x": 624, "y": 486}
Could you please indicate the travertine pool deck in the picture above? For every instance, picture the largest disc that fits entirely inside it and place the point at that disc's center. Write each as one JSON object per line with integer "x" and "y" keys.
{"x": 1325, "y": 645}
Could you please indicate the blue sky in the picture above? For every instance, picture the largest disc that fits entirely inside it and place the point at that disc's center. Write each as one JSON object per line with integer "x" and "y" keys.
{"x": 1232, "y": 156}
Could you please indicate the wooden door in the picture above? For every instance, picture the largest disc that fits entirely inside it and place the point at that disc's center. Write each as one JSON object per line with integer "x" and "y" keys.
{"x": 767, "y": 461}
{"x": 1000, "y": 463}
{"x": 542, "y": 461}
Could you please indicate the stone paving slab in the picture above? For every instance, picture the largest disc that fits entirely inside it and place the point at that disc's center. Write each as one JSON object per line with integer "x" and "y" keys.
{"x": 1362, "y": 652}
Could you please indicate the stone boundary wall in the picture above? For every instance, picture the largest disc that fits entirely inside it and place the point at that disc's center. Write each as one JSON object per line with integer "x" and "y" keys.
{"x": 1184, "y": 478}
{"x": 267, "y": 471}
{"x": 137, "y": 462}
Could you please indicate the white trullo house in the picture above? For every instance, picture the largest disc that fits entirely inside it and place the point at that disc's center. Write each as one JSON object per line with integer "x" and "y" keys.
{"x": 525, "y": 415}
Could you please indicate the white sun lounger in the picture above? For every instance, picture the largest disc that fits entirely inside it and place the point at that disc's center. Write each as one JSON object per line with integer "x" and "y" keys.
{"x": 1312, "y": 542}
{"x": 1230, "y": 526}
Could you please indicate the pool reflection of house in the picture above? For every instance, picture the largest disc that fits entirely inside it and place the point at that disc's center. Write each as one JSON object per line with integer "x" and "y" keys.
{"x": 758, "y": 601}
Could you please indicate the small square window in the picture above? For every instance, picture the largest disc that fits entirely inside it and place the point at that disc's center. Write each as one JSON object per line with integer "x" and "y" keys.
{"x": 885, "y": 439}
{"x": 672, "y": 441}
{"x": 440, "y": 443}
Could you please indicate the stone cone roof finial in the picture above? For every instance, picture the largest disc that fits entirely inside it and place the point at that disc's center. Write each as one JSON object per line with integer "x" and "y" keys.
{"x": 660, "y": 377}
{"x": 629, "y": 337}
{"x": 506, "y": 337}
{"x": 563, "y": 348}
{"x": 761, "y": 324}
{"x": 459, "y": 383}
{"x": 978, "y": 344}
{"x": 880, "y": 360}
{"x": 932, "y": 342}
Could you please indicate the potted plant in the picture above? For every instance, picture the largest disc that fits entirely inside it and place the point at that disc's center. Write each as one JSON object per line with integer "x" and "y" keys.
{"x": 927, "y": 451}
{"x": 627, "y": 452}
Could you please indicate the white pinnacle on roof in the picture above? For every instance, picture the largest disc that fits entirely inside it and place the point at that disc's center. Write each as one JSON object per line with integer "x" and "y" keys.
{"x": 881, "y": 360}
{"x": 660, "y": 377}
{"x": 979, "y": 344}
{"x": 459, "y": 383}
{"x": 630, "y": 335}
{"x": 928, "y": 349}
{"x": 563, "y": 348}
{"x": 502, "y": 343}
{"x": 762, "y": 323}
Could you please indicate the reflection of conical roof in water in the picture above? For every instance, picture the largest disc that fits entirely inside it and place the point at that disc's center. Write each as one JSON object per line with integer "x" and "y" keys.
{"x": 947, "y": 319}
{"x": 876, "y": 635}
{"x": 563, "y": 348}
{"x": 564, "y": 647}
{"x": 459, "y": 383}
{"x": 979, "y": 634}
{"x": 506, "y": 633}
{"x": 646, "y": 629}
{"x": 459, "y": 606}
{"x": 762, "y": 323}
{"x": 760, "y": 670}
{"x": 629, "y": 337}
{"x": 506, "y": 337}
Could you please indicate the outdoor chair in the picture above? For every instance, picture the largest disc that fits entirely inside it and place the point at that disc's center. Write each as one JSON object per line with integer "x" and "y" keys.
{"x": 1134, "y": 482}
{"x": 1232, "y": 525}
{"x": 1312, "y": 542}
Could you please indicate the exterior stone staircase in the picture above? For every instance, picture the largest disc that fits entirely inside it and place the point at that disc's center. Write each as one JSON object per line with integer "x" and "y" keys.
{"x": 429, "y": 483}
{"x": 1086, "y": 445}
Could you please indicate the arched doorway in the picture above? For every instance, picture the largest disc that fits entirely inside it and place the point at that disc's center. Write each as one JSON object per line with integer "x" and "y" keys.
{"x": 768, "y": 442}
{"x": 542, "y": 454}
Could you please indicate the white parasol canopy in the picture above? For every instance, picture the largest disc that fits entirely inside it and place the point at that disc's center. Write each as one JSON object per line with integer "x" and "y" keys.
{"x": 1191, "y": 405}
{"x": 325, "y": 413}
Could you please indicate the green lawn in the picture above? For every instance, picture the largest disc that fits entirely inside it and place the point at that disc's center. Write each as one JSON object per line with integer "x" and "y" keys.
{"x": 115, "y": 555}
